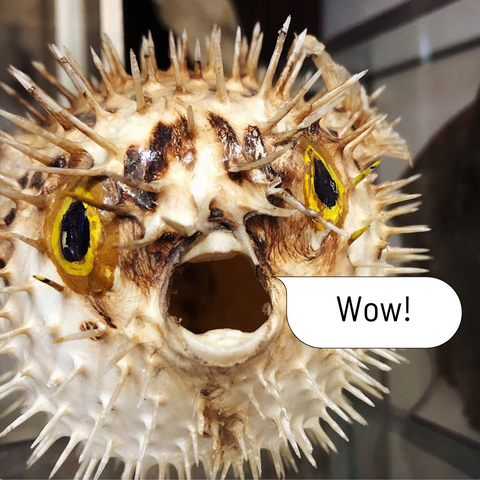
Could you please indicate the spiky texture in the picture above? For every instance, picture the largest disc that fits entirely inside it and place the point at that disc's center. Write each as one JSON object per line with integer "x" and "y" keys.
{"x": 160, "y": 168}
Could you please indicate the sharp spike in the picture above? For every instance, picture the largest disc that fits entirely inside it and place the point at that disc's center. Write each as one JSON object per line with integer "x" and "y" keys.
{"x": 62, "y": 411}
{"x": 153, "y": 187}
{"x": 389, "y": 355}
{"x": 219, "y": 74}
{"x": 37, "y": 94}
{"x": 250, "y": 67}
{"x": 358, "y": 393}
{"x": 40, "y": 68}
{"x": 50, "y": 283}
{"x": 151, "y": 77}
{"x": 96, "y": 332}
{"x": 324, "y": 397}
{"x": 315, "y": 116}
{"x": 25, "y": 287}
{"x": 295, "y": 203}
{"x": 367, "y": 126}
{"x": 66, "y": 116}
{"x": 113, "y": 58}
{"x": 25, "y": 149}
{"x": 376, "y": 94}
{"x": 179, "y": 86}
{"x": 335, "y": 426}
{"x": 137, "y": 83}
{"x": 346, "y": 355}
{"x": 197, "y": 69}
{"x": 366, "y": 172}
{"x": 289, "y": 105}
{"x": 388, "y": 187}
{"x": 380, "y": 365}
{"x": 357, "y": 234}
{"x": 236, "y": 56}
{"x": 348, "y": 126}
{"x": 103, "y": 74}
{"x": 255, "y": 403}
{"x": 267, "y": 81}
{"x": 331, "y": 96}
{"x": 146, "y": 439}
{"x": 105, "y": 410}
{"x": 35, "y": 408}
{"x": 81, "y": 83}
{"x": 353, "y": 413}
{"x": 251, "y": 71}
{"x": 403, "y": 210}
{"x": 29, "y": 241}
{"x": 38, "y": 201}
{"x": 78, "y": 370}
{"x": 406, "y": 254}
{"x": 151, "y": 50}
{"x": 24, "y": 329}
{"x": 104, "y": 460}
{"x": 399, "y": 199}
{"x": 31, "y": 127}
{"x": 42, "y": 449}
{"x": 30, "y": 108}
{"x": 184, "y": 51}
{"x": 271, "y": 157}
{"x": 293, "y": 76}
{"x": 292, "y": 59}
{"x": 13, "y": 406}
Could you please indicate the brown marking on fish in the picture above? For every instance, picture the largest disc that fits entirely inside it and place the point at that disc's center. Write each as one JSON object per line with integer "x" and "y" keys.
{"x": 23, "y": 181}
{"x": 232, "y": 149}
{"x": 85, "y": 326}
{"x": 10, "y": 217}
{"x": 36, "y": 181}
{"x": 59, "y": 162}
{"x": 137, "y": 167}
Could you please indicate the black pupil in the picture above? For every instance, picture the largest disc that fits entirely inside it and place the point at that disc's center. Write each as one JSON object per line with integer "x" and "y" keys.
{"x": 75, "y": 233}
{"x": 324, "y": 185}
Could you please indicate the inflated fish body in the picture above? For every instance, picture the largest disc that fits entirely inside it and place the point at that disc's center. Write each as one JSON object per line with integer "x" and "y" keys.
{"x": 105, "y": 200}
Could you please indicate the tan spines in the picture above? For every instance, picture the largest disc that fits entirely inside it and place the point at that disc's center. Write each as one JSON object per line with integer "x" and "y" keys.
{"x": 111, "y": 93}
{"x": 290, "y": 65}
{"x": 236, "y": 63}
{"x": 137, "y": 83}
{"x": 218, "y": 66}
{"x": 197, "y": 68}
{"x": 179, "y": 85}
{"x": 41, "y": 118}
{"x": 40, "y": 68}
{"x": 117, "y": 70}
{"x": 272, "y": 66}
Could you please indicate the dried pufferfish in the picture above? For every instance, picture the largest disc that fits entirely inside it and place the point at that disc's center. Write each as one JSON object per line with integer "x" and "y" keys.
{"x": 104, "y": 200}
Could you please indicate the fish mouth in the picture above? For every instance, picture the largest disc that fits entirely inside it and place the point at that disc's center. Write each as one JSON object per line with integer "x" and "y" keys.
{"x": 222, "y": 309}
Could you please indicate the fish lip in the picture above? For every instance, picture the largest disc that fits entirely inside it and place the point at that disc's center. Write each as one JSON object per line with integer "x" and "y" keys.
{"x": 223, "y": 347}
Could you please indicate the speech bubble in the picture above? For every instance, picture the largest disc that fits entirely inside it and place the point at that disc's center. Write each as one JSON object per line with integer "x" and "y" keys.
{"x": 371, "y": 312}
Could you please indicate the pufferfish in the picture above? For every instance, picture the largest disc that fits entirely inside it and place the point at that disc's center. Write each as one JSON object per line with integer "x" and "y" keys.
{"x": 105, "y": 200}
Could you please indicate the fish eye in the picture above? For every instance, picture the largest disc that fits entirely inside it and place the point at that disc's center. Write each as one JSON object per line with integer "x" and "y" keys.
{"x": 81, "y": 239}
{"x": 75, "y": 233}
{"x": 322, "y": 186}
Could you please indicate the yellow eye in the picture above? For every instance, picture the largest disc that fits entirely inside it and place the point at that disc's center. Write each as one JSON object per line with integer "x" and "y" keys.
{"x": 75, "y": 235}
{"x": 81, "y": 239}
{"x": 324, "y": 191}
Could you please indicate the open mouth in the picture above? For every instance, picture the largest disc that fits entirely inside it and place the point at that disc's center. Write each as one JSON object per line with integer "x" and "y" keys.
{"x": 219, "y": 293}
{"x": 221, "y": 308}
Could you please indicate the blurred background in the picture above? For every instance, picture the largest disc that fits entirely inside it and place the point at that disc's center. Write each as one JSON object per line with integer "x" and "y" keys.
{"x": 427, "y": 52}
